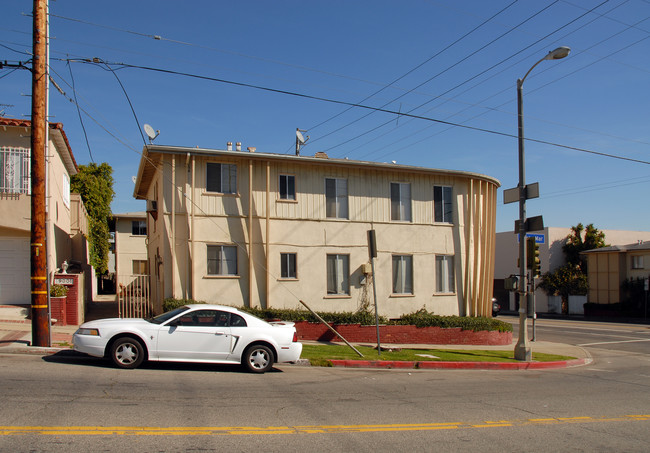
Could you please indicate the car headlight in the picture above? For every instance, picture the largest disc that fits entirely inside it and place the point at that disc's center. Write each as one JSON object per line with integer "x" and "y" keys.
{"x": 87, "y": 331}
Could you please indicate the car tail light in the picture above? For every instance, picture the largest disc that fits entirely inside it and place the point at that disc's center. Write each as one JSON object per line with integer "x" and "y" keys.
{"x": 295, "y": 337}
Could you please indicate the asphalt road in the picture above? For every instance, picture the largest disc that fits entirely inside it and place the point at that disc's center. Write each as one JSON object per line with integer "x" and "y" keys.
{"x": 71, "y": 404}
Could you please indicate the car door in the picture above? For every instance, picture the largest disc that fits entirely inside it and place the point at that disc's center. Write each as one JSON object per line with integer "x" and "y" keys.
{"x": 198, "y": 335}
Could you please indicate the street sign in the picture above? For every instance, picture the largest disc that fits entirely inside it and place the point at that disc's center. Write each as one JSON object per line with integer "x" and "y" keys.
{"x": 539, "y": 238}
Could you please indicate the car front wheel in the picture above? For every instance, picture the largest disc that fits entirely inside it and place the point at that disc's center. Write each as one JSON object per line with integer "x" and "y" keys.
{"x": 127, "y": 352}
{"x": 258, "y": 359}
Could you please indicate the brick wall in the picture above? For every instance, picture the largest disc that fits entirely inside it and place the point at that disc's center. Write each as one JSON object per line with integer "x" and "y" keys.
{"x": 356, "y": 333}
{"x": 70, "y": 313}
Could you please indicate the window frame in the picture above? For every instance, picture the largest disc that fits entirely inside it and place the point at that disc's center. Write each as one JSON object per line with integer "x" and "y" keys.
{"x": 221, "y": 261}
{"x": 20, "y": 180}
{"x": 287, "y": 268}
{"x": 404, "y": 211}
{"x": 290, "y": 195}
{"x": 337, "y": 200}
{"x": 407, "y": 279}
{"x": 137, "y": 230}
{"x": 441, "y": 212}
{"x": 637, "y": 262}
{"x": 231, "y": 180}
{"x": 445, "y": 277}
{"x": 342, "y": 280}
{"x": 141, "y": 263}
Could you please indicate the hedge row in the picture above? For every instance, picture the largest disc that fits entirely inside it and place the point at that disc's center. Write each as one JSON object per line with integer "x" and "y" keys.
{"x": 421, "y": 318}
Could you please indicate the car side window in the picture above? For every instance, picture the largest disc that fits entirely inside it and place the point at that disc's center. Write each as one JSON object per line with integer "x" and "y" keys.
{"x": 237, "y": 321}
{"x": 199, "y": 318}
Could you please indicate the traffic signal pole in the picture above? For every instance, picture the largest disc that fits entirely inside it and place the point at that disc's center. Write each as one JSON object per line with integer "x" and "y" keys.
{"x": 38, "y": 248}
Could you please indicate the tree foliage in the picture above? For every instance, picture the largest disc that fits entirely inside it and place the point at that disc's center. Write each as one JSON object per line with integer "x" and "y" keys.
{"x": 582, "y": 238}
{"x": 565, "y": 281}
{"x": 95, "y": 185}
{"x": 571, "y": 279}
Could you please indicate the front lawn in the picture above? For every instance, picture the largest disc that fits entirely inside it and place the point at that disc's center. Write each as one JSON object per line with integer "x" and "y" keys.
{"x": 319, "y": 355}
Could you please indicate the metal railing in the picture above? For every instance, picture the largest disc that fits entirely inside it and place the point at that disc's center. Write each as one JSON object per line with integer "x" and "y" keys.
{"x": 133, "y": 296}
{"x": 14, "y": 170}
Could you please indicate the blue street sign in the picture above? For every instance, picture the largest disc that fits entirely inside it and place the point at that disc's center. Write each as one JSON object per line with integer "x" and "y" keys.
{"x": 539, "y": 238}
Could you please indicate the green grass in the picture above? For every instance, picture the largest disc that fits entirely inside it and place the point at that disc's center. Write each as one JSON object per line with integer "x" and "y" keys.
{"x": 319, "y": 355}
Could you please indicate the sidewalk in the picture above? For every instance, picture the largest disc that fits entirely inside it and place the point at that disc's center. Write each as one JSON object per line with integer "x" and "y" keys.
{"x": 16, "y": 338}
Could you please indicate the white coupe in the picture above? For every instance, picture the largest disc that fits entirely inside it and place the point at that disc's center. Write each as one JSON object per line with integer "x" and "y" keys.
{"x": 192, "y": 333}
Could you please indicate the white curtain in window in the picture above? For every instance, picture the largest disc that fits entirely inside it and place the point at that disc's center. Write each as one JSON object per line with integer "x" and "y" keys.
{"x": 400, "y": 201}
{"x": 402, "y": 274}
{"x": 445, "y": 280}
{"x": 337, "y": 274}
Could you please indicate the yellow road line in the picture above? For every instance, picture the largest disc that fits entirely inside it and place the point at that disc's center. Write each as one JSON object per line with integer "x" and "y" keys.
{"x": 323, "y": 429}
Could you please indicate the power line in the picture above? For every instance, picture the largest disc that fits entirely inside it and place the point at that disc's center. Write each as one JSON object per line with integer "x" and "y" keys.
{"x": 432, "y": 78}
{"x": 415, "y": 68}
{"x": 474, "y": 76}
{"x": 340, "y": 102}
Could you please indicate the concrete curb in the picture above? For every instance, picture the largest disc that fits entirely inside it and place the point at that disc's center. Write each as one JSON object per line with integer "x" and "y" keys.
{"x": 430, "y": 365}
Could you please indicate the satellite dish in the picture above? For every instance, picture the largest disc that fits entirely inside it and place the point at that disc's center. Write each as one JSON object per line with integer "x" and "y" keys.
{"x": 151, "y": 133}
{"x": 300, "y": 138}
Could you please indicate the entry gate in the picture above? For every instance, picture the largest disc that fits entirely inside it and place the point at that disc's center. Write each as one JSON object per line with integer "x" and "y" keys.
{"x": 134, "y": 296}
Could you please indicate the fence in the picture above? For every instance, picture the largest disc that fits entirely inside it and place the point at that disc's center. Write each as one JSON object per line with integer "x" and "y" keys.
{"x": 133, "y": 296}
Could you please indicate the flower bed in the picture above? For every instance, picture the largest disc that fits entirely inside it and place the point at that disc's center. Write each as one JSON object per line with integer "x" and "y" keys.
{"x": 401, "y": 334}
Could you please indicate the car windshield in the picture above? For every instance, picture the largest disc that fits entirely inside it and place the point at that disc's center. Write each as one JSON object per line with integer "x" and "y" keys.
{"x": 166, "y": 316}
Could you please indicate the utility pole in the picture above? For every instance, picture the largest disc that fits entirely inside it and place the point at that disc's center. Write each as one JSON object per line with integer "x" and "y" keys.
{"x": 40, "y": 308}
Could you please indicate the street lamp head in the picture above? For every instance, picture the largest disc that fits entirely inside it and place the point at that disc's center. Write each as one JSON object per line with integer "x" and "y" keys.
{"x": 558, "y": 53}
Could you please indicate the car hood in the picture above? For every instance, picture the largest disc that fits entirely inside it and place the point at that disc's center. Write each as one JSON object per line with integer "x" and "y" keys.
{"x": 115, "y": 322}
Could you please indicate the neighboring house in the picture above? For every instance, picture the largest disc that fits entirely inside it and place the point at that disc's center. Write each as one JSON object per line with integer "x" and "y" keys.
{"x": 550, "y": 242}
{"x": 254, "y": 229}
{"x": 609, "y": 267}
{"x": 130, "y": 255}
{"x": 66, "y": 227}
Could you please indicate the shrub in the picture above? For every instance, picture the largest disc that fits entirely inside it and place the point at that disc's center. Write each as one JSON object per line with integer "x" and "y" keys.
{"x": 420, "y": 318}
{"x": 423, "y": 318}
{"x": 58, "y": 291}
{"x": 170, "y": 304}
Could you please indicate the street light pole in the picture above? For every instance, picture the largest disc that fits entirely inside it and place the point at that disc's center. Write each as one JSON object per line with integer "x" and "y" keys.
{"x": 522, "y": 348}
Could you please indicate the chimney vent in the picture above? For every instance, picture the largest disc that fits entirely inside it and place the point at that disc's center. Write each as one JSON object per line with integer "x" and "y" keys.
{"x": 229, "y": 146}
{"x": 251, "y": 149}
{"x": 238, "y": 146}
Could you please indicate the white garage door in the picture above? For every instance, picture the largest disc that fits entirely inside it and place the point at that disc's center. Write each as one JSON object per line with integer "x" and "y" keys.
{"x": 14, "y": 271}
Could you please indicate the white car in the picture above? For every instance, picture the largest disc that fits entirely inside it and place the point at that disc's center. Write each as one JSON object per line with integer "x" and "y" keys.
{"x": 193, "y": 333}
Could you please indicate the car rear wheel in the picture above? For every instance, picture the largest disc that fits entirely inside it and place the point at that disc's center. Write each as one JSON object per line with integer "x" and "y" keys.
{"x": 258, "y": 359}
{"x": 127, "y": 352}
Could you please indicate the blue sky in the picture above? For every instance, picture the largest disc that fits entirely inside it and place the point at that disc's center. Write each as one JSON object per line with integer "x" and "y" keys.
{"x": 452, "y": 61}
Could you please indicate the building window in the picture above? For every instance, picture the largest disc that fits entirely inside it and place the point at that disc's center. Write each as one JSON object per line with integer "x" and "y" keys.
{"x": 221, "y": 178}
{"x": 140, "y": 267}
{"x": 288, "y": 265}
{"x": 287, "y": 187}
{"x": 222, "y": 260}
{"x": 336, "y": 198}
{"x": 402, "y": 274}
{"x": 338, "y": 272}
{"x": 445, "y": 280}
{"x": 65, "y": 189}
{"x": 637, "y": 262}
{"x": 443, "y": 208}
{"x": 400, "y": 201}
{"x": 139, "y": 227}
{"x": 14, "y": 170}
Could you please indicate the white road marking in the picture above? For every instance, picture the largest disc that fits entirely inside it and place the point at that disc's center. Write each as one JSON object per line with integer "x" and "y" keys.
{"x": 613, "y": 342}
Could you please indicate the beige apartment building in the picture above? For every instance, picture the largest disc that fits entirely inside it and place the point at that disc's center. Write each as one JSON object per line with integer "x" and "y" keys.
{"x": 261, "y": 229}
{"x": 66, "y": 219}
{"x": 130, "y": 247}
{"x": 609, "y": 267}
{"x": 550, "y": 242}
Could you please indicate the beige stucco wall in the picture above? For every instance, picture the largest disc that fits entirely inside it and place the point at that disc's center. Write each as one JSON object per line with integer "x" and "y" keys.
{"x": 301, "y": 226}
{"x": 552, "y": 257}
{"x": 128, "y": 247}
